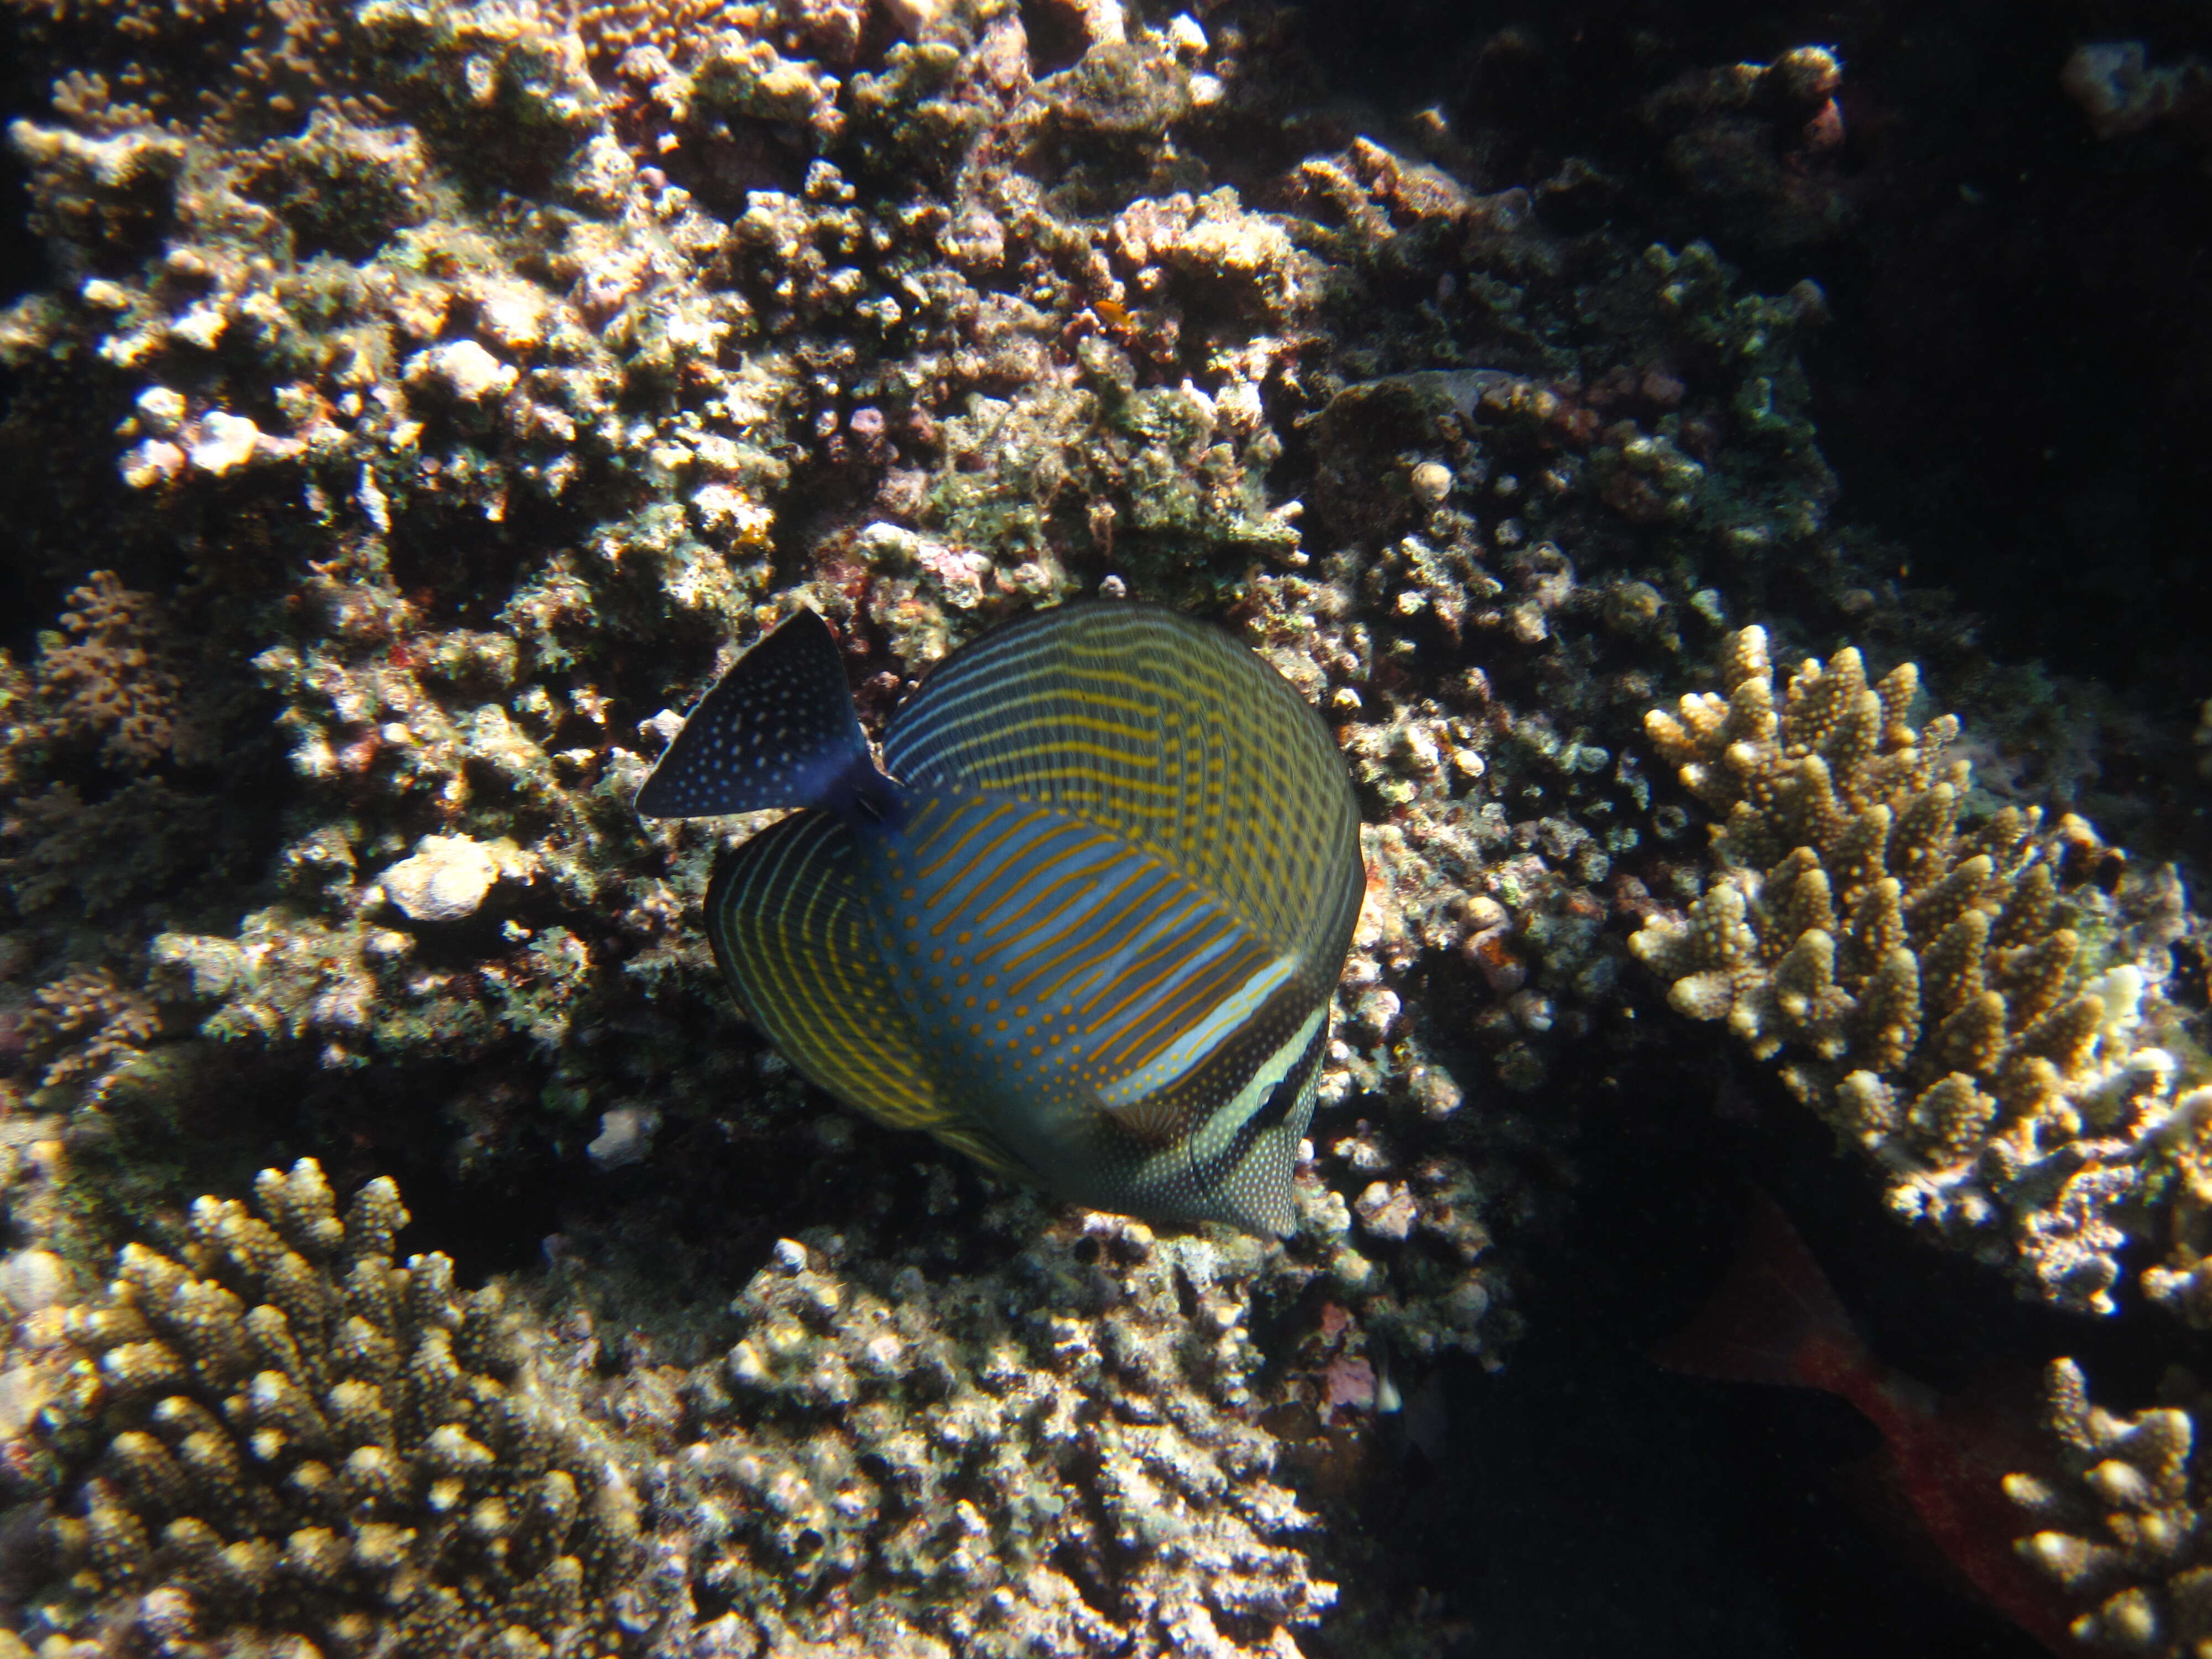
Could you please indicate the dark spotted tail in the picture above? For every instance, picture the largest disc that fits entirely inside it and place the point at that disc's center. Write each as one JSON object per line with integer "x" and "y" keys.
{"x": 778, "y": 730}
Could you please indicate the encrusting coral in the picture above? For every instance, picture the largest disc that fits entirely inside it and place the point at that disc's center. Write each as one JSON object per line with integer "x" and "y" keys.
{"x": 1925, "y": 980}
{"x": 1058, "y": 1458}
{"x": 278, "y": 1442}
{"x": 2121, "y": 1526}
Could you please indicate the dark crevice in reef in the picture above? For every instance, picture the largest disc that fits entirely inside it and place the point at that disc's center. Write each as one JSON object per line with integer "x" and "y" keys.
{"x": 23, "y": 264}
{"x": 21, "y": 609}
{"x": 210, "y": 1119}
{"x": 2013, "y": 386}
{"x": 497, "y": 1225}
{"x": 1054, "y": 34}
{"x": 23, "y": 267}
{"x": 1583, "y": 1500}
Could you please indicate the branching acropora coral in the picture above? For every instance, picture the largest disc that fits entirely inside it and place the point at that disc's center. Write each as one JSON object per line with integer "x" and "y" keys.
{"x": 2122, "y": 1527}
{"x": 283, "y": 1443}
{"x": 1918, "y": 975}
{"x": 84, "y": 1025}
{"x": 111, "y": 675}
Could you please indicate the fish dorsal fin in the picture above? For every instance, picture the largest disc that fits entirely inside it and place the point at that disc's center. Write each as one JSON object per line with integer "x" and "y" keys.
{"x": 1167, "y": 731}
{"x": 777, "y": 730}
{"x": 793, "y": 937}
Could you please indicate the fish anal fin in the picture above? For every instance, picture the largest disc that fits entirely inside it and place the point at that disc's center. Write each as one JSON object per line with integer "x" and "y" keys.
{"x": 978, "y": 1143}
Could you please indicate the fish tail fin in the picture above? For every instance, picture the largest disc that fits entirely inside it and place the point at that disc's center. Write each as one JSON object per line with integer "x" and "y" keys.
{"x": 778, "y": 730}
{"x": 1775, "y": 1318}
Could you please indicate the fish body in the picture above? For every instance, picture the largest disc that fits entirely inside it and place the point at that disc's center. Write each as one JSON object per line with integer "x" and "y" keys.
{"x": 1776, "y": 1319}
{"x": 1087, "y": 926}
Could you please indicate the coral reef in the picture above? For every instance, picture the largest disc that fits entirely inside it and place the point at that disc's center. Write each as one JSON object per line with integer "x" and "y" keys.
{"x": 277, "y": 1440}
{"x": 1757, "y": 146}
{"x": 83, "y": 1026}
{"x": 545, "y": 445}
{"x": 114, "y": 686}
{"x": 451, "y": 390}
{"x": 1949, "y": 995}
{"x": 1057, "y": 1459}
{"x": 111, "y": 675}
{"x": 276, "y": 1433}
{"x": 2120, "y": 1520}
{"x": 2120, "y": 92}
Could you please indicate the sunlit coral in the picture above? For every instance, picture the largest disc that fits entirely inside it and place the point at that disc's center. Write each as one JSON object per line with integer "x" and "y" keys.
{"x": 1079, "y": 1477}
{"x": 1923, "y": 978}
{"x": 2120, "y": 1529}
{"x": 278, "y": 1434}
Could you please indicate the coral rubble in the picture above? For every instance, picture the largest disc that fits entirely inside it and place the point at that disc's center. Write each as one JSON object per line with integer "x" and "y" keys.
{"x": 1957, "y": 998}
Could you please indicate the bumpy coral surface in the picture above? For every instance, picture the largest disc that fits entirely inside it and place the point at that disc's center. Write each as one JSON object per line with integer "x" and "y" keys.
{"x": 278, "y": 1441}
{"x": 1925, "y": 979}
{"x": 890, "y": 1461}
{"x": 2121, "y": 1525}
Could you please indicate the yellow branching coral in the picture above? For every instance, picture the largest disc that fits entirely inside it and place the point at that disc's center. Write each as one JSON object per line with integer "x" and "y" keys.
{"x": 1918, "y": 976}
{"x": 284, "y": 1443}
{"x": 2122, "y": 1529}
{"x": 86, "y": 1026}
{"x": 2183, "y": 1282}
{"x": 684, "y": 32}
{"x": 609, "y": 28}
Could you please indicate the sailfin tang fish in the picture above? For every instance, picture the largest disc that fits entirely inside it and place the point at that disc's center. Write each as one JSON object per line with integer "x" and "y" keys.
{"x": 1084, "y": 927}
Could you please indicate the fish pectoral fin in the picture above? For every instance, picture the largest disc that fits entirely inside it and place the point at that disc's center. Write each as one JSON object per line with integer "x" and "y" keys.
{"x": 988, "y": 1150}
{"x": 1155, "y": 1120}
